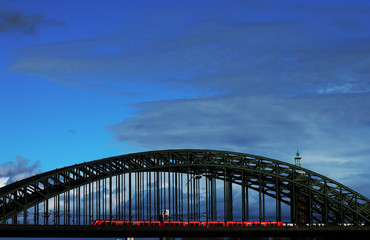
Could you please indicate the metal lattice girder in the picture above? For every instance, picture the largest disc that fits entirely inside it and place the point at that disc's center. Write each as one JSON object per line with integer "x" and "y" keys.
{"x": 327, "y": 198}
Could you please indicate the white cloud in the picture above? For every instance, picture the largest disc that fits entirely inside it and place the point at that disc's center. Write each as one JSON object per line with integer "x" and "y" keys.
{"x": 15, "y": 171}
{"x": 3, "y": 181}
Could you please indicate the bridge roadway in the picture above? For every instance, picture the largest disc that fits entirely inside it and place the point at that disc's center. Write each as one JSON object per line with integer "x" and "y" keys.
{"x": 9, "y": 230}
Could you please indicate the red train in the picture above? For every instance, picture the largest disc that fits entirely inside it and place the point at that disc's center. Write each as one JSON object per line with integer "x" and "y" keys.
{"x": 186, "y": 223}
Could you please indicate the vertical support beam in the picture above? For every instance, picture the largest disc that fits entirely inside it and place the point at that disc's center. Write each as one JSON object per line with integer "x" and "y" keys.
{"x": 169, "y": 192}
{"x": 325, "y": 210}
{"x": 278, "y": 202}
{"x": 84, "y": 197}
{"x": 25, "y": 215}
{"x": 124, "y": 196}
{"x": 228, "y": 200}
{"x": 139, "y": 197}
{"x": 243, "y": 196}
{"x": 176, "y": 195}
{"x": 147, "y": 195}
{"x": 69, "y": 207}
{"x": 195, "y": 199}
{"x": 207, "y": 197}
{"x": 46, "y": 212}
{"x": 118, "y": 197}
{"x": 142, "y": 195}
{"x": 225, "y": 197}
{"x": 259, "y": 197}
{"x": 357, "y": 222}
{"x": 98, "y": 199}
{"x": 187, "y": 183}
{"x": 104, "y": 210}
{"x": 199, "y": 213}
{"x": 181, "y": 197}
{"x": 129, "y": 196}
{"x": 310, "y": 201}
{"x": 293, "y": 200}
{"x": 341, "y": 215}
{"x": 78, "y": 206}
{"x": 264, "y": 207}
{"x": 110, "y": 198}
{"x": 214, "y": 199}
{"x": 136, "y": 196}
{"x": 65, "y": 208}
{"x": 58, "y": 209}
{"x": 150, "y": 195}
{"x": 164, "y": 191}
{"x": 247, "y": 198}
{"x": 230, "y": 189}
{"x": 54, "y": 210}
{"x": 90, "y": 203}
{"x": 35, "y": 222}
{"x": 158, "y": 197}
{"x": 37, "y": 214}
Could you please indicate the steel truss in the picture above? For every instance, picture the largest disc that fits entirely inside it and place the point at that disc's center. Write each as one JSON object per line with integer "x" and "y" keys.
{"x": 170, "y": 179}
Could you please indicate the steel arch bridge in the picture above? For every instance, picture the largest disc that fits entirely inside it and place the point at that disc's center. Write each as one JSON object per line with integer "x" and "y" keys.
{"x": 142, "y": 185}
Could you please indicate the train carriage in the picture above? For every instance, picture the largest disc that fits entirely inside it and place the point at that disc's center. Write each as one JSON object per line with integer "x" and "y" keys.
{"x": 187, "y": 223}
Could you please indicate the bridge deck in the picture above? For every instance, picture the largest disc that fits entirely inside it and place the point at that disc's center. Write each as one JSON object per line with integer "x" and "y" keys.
{"x": 139, "y": 231}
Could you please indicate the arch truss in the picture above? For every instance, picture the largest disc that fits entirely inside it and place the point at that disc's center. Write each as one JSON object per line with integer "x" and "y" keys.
{"x": 190, "y": 184}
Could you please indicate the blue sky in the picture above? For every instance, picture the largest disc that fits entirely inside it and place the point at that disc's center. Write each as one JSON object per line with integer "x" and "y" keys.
{"x": 83, "y": 80}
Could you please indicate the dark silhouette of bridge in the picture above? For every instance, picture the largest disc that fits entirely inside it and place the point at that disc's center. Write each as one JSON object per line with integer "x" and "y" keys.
{"x": 204, "y": 185}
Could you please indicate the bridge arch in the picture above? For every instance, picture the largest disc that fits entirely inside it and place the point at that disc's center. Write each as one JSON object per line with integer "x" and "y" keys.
{"x": 312, "y": 197}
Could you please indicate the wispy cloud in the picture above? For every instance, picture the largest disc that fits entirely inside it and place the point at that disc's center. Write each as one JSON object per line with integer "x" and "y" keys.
{"x": 13, "y": 21}
{"x": 328, "y": 130}
{"x": 246, "y": 120}
{"x": 296, "y": 54}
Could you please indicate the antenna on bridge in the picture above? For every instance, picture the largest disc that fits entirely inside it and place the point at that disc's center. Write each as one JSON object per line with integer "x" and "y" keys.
{"x": 297, "y": 159}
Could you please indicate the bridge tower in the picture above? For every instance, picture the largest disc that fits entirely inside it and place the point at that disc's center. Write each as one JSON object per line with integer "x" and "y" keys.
{"x": 300, "y": 196}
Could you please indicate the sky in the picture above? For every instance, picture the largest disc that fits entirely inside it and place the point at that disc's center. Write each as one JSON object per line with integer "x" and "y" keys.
{"x": 88, "y": 79}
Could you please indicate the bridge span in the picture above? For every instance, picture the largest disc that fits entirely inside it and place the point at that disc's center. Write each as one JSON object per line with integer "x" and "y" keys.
{"x": 190, "y": 185}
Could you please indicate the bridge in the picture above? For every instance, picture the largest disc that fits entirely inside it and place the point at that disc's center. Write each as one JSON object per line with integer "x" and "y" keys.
{"x": 190, "y": 185}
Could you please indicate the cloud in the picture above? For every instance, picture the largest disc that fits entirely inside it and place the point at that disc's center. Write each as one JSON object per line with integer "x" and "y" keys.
{"x": 243, "y": 120}
{"x": 3, "y": 181}
{"x": 263, "y": 54}
{"x": 14, "y": 171}
{"x": 331, "y": 132}
{"x": 19, "y": 22}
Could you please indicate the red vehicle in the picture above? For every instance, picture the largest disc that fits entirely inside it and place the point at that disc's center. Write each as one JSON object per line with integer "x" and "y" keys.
{"x": 187, "y": 223}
